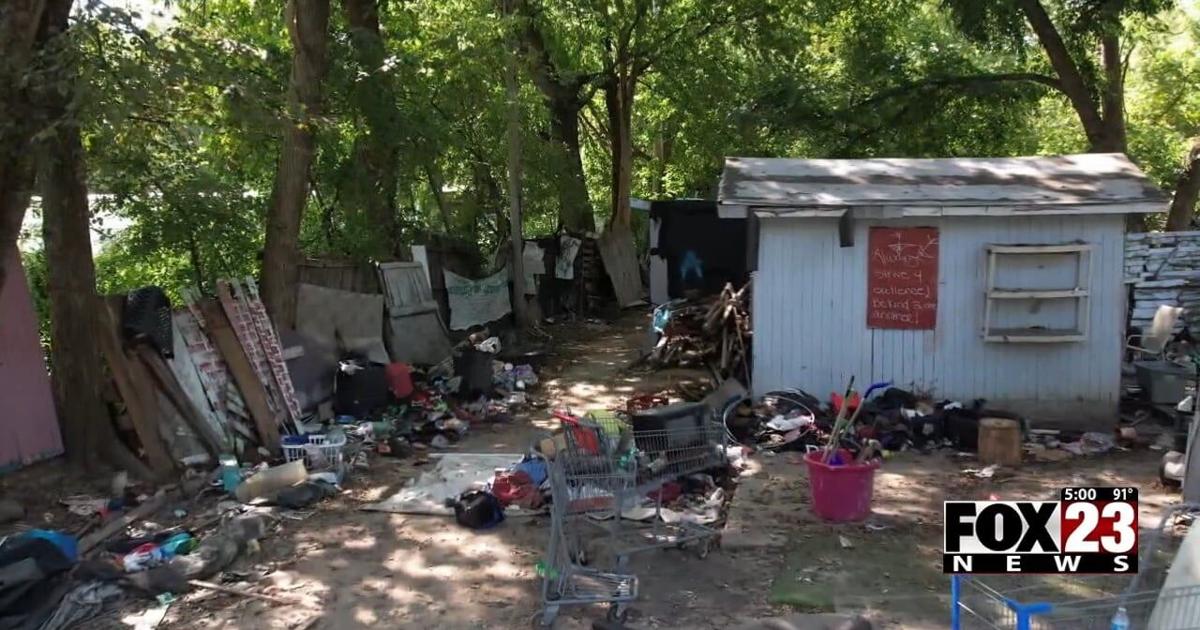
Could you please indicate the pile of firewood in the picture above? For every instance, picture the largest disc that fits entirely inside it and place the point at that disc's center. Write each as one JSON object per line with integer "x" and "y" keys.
{"x": 712, "y": 332}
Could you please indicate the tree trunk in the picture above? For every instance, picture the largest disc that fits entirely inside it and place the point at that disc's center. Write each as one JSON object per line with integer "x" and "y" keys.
{"x": 1113, "y": 99}
{"x": 1070, "y": 79}
{"x": 71, "y": 288}
{"x": 23, "y": 31}
{"x": 377, "y": 158}
{"x": 516, "y": 267}
{"x": 564, "y": 98}
{"x": 574, "y": 205}
{"x": 307, "y": 22}
{"x": 664, "y": 147}
{"x": 618, "y": 98}
{"x": 1187, "y": 192}
{"x": 434, "y": 177}
{"x": 78, "y": 379}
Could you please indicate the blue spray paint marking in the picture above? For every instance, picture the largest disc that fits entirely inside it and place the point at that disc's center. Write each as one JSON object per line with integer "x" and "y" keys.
{"x": 691, "y": 264}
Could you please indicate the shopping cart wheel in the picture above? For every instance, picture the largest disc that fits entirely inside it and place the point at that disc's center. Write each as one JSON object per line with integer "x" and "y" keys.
{"x": 618, "y": 613}
{"x": 544, "y": 618}
{"x": 581, "y": 557}
{"x": 703, "y": 548}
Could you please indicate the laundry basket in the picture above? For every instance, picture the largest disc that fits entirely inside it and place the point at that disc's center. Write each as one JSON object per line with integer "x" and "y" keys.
{"x": 319, "y": 451}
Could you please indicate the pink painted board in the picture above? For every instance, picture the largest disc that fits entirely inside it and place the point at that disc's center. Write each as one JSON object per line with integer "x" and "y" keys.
{"x": 28, "y": 422}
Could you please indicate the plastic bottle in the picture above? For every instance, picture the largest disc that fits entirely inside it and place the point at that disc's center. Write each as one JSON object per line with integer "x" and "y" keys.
{"x": 1120, "y": 621}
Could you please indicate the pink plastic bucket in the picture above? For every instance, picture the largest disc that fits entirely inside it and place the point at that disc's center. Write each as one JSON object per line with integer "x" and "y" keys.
{"x": 840, "y": 493}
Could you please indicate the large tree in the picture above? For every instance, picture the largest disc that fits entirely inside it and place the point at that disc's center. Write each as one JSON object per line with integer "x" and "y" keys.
{"x": 370, "y": 184}
{"x": 308, "y": 25}
{"x": 75, "y": 353}
{"x": 1083, "y": 45}
{"x": 565, "y": 91}
{"x": 25, "y": 26}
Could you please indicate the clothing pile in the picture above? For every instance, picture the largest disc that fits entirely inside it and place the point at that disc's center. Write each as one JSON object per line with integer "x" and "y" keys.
{"x": 898, "y": 419}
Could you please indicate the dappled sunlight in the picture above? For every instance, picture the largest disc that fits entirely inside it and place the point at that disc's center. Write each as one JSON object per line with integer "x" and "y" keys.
{"x": 359, "y": 544}
{"x": 365, "y": 616}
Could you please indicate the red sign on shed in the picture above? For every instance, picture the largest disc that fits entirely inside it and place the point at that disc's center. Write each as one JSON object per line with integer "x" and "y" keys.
{"x": 902, "y": 278}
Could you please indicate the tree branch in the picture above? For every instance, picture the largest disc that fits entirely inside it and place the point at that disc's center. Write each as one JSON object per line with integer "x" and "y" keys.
{"x": 1071, "y": 79}
{"x": 968, "y": 80}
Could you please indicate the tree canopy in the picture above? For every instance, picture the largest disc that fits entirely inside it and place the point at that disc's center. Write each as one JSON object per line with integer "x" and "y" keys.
{"x": 183, "y": 117}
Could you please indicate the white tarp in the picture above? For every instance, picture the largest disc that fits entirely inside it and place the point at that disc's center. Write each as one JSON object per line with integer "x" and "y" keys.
{"x": 534, "y": 265}
{"x": 564, "y": 266}
{"x": 475, "y": 302}
{"x": 454, "y": 474}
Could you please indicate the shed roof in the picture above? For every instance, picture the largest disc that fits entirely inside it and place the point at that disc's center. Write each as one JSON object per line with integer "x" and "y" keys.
{"x": 1065, "y": 184}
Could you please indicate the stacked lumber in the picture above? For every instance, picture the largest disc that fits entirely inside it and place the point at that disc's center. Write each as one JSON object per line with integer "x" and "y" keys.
{"x": 712, "y": 332}
{"x": 1163, "y": 268}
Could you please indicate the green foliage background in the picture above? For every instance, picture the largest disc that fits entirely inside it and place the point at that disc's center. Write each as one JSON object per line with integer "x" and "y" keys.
{"x": 182, "y": 116}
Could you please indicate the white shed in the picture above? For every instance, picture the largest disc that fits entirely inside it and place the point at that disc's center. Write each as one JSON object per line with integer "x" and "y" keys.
{"x": 965, "y": 278}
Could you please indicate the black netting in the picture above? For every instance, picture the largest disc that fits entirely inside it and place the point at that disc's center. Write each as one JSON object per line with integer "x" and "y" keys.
{"x": 147, "y": 315}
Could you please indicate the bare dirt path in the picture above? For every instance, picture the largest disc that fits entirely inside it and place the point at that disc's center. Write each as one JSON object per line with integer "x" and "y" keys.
{"x": 372, "y": 570}
{"x": 382, "y": 570}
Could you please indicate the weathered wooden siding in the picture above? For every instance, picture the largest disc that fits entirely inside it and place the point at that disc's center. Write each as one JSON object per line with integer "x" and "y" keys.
{"x": 810, "y": 330}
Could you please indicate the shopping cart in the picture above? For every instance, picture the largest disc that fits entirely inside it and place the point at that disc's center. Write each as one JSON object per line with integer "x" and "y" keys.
{"x": 580, "y": 487}
{"x": 1074, "y": 602}
{"x": 606, "y": 469}
{"x": 634, "y": 464}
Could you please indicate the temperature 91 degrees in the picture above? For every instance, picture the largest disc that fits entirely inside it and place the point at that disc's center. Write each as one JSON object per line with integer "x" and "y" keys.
{"x": 1099, "y": 494}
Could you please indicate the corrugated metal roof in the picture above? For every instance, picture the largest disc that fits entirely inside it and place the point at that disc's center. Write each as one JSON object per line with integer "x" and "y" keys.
{"x": 1028, "y": 183}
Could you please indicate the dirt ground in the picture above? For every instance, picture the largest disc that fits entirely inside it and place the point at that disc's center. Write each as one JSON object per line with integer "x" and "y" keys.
{"x": 368, "y": 569}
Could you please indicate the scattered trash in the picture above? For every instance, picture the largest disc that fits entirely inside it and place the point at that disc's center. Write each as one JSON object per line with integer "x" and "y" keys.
{"x": 271, "y": 480}
{"x": 305, "y": 494}
{"x": 982, "y": 473}
{"x": 845, "y": 542}
{"x": 1091, "y": 443}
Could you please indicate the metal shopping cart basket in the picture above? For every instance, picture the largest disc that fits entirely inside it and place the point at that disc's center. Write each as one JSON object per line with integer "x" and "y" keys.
{"x": 581, "y": 486}
{"x": 605, "y": 469}
{"x": 1074, "y": 602}
{"x": 634, "y": 459}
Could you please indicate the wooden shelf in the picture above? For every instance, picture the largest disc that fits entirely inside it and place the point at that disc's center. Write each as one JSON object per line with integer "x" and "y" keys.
{"x": 1033, "y": 335}
{"x": 1039, "y": 249}
{"x": 1036, "y": 294}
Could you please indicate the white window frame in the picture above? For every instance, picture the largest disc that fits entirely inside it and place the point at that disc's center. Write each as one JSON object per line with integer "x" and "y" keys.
{"x": 1080, "y": 294}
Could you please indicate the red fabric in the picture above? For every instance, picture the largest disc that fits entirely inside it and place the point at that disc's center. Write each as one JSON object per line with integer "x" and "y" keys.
{"x": 399, "y": 376}
{"x": 516, "y": 488}
{"x": 670, "y": 491}
{"x": 835, "y": 401}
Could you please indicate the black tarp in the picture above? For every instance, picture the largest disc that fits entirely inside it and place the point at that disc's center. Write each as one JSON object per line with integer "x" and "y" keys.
{"x": 702, "y": 250}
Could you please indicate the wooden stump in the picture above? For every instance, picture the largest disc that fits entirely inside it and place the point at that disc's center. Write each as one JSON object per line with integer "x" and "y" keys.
{"x": 1000, "y": 442}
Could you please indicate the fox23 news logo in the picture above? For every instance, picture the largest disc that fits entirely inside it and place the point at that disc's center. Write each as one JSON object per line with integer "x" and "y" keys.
{"x": 1088, "y": 530}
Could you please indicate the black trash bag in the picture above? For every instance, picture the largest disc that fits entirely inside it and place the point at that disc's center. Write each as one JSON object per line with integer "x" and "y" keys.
{"x": 478, "y": 509}
{"x": 896, "y": 398}
{"x": 927, "y": 431}
{"x": 961, "y": 425}
{"x": 147, "y": 315}
{"x": 33, "y": 577}
{"x": 360, "y": 388}
{"x": 305, "y": 494}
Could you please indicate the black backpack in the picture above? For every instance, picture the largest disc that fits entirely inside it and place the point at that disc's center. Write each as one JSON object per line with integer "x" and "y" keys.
{"x": 478, "y": 509}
